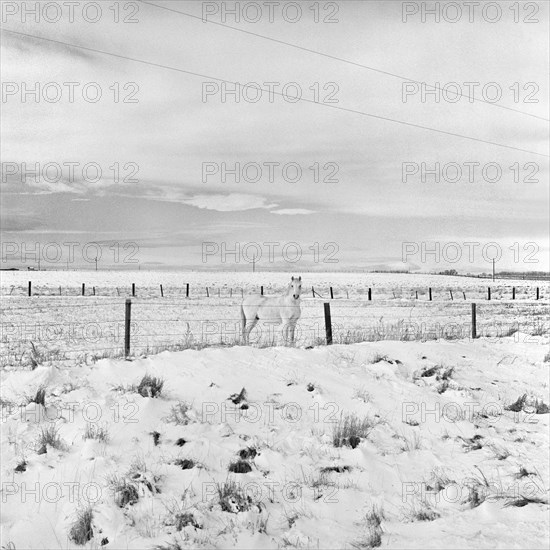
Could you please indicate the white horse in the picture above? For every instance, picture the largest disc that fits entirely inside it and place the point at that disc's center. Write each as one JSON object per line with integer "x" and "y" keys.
{"x": 275, "y": 310}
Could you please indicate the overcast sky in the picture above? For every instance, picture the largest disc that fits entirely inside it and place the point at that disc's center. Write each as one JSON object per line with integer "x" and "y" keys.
{"x": 163, "y": 139}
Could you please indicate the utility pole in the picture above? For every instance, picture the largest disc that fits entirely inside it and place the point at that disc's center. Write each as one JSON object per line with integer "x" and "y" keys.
{"x": 493, "y": 269}
{"x": 96, "y": 263}
{"x": 254, "y": 264}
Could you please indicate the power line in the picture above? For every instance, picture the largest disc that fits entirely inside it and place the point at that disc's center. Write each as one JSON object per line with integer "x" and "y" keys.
{"x": 341, "y": 59}
{"x": 327, "y": 105}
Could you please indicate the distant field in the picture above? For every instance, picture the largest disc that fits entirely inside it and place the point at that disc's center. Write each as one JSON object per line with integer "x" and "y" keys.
{"x": 57, "y": 323}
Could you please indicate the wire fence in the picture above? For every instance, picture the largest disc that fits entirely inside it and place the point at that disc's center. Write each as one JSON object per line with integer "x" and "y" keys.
{"x": 493, "y": 291}
{"x": 52, "y": 328}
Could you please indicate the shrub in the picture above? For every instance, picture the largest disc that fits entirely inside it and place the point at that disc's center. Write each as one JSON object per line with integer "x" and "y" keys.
{"x": 81, "y": 531}
{"x": 350, "y": 429}
{"x": 185, "y": 463}
{"x": 237, "y": 398}
{"x": 125, "y": 492}
{"x": 240, "y": 467}
{"x": 179, "y": 414}
{"x": 94, "y": 431}
{"x": 232, "y": 498}
{"x": 335, "y": 469}
{"x": 184, "y": 519}
{"x": 39, "y": 397}
{"x": 248, "y": 453}
{"x": 50, "y": 437}
{"x": 517, "y": 406}
{"x": 150, "y": 386}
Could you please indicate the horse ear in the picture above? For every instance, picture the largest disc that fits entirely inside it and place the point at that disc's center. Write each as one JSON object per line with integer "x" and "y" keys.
{"x": 292, "y": 278}
{"x": 300, "y": 278}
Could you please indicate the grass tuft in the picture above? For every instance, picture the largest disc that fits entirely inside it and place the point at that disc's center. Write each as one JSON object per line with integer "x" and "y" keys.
{"x": 232, "y": 498}
{"x": 94, "y": 431}
{"x": 150, "y": 386}
{"x": 81, "y": 531}
{"x": 350, "y": 429}
{"x": 179, "y": 414}
{"x": 49, "y": 437}
{"x": 39, "y": 397}
{"x": 240, "y": 467}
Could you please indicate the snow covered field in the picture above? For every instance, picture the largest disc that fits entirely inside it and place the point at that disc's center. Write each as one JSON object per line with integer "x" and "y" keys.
{"x": 58, "y": 323}
{"x": 439, "y": 462}
{"x": 406, "y": 440}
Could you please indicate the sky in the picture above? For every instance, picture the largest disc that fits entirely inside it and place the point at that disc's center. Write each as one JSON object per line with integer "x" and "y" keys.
{"x": 341, "y": 179}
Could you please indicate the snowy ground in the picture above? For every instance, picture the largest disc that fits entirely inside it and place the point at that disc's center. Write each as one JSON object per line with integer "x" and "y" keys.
{"x": 441, "y": 463}
{"x": 436, "y": 459}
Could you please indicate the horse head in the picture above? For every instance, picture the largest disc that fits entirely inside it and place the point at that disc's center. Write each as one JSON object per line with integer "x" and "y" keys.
{"x": 295, "y": 287}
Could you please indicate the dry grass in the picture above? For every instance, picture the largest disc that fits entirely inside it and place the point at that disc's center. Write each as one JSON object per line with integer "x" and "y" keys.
{"x": 350, "y": 429}
{"x": 81, "y": 531}
{"x": 179, "y": 414}
{"x": 232, "y": 498}
{"x": 150, "y": 386}
{"x": 95, "y": 431}
{"x": 49, "y": 437}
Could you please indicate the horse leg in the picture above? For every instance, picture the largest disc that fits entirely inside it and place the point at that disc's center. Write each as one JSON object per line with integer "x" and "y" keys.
{"x": 292, "y": 329}
{"x": 248, "y": 329}
{"x": 286, "y": 326}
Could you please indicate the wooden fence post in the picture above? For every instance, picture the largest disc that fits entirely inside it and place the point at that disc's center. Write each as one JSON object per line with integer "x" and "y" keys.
{"x": 328, "y": 324}
{"x": 127, "y": 318}
{"x": 488, "y": 293}
{"x": 59, "y": 290}
{"x": 416, "y": 294}
{"x": 30, "y": 288}
{"x": 430, "y": 293}
{"x": 187, "y": 290}
{"x": 537, "y": 293}
{"x": 207, "y": 293}
{"x": 117, "y": 291}
{"x": 332, "y": 295}
{"x": 83, "y": 289}
{"x": 370, "y": 295}
{"x": 513, "y": 293}
{"x": 93, "y": 290}
{"x": 312, "y": 292}
{"x": 474, "y": 321}
{"x": 231, "y": 292}
{"x": 262, "y": 290}
{"x": 161, "y": 292}
{"x": 133, "y": 289}
{"x": 451, "y": 293}
{"x": 464, "y": 294}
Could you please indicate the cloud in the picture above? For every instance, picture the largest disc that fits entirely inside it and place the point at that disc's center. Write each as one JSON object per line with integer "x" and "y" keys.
{"x": 229, "y": 203}
{"x": 293, "y": 211}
